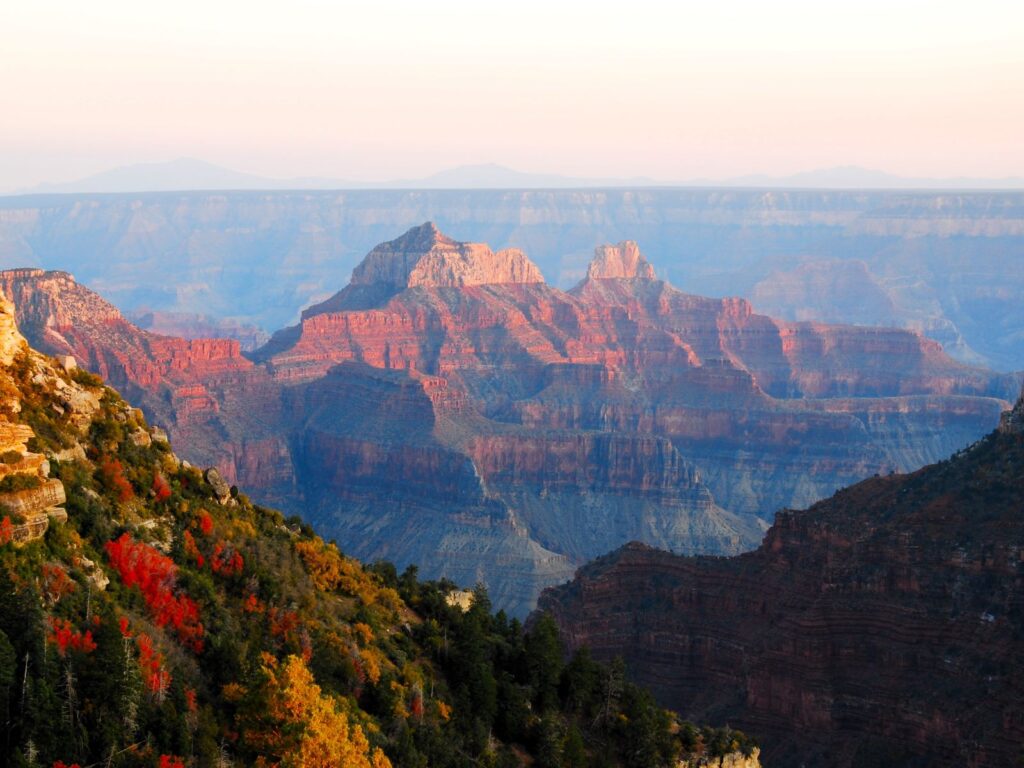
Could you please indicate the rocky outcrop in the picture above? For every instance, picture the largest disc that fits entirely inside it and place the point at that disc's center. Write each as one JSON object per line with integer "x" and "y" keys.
{"x": 424, "y": 256}
{"x": 49, "y": 493}
{"x": 29, "y": 498}
{"x": 882, "y": 626}
{"x": 11, "y": 341}
{"x": 622, "y": 261}
{"x": 450, "y": 409}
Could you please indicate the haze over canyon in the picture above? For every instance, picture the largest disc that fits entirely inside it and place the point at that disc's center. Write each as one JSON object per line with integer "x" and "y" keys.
{"x": 943, "y": 263}
{"x": 449, "y": 408}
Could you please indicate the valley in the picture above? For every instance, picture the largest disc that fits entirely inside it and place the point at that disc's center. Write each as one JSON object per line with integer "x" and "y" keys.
{"x": 449, "y": 408}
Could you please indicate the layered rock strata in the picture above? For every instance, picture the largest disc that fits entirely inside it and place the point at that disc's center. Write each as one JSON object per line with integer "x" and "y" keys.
{"x": 882, "y": 626}
{"x": 449, "y": 408}
{"x": 27, "y": 507}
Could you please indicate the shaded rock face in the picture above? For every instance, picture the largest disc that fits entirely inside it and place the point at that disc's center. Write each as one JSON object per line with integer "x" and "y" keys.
{"x": 1012, "y": 421}
{"x": 448, "y": 408}
{"x": 882, "y": 626}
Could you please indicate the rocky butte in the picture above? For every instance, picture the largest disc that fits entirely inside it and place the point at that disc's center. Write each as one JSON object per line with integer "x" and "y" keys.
{"x": 826, "y": 255}
{"x": 882, "y": 626}
{"x": 449, "y": 408}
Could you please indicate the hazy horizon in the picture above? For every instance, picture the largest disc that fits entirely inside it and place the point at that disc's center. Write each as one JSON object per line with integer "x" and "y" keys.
{"x": 403, "y": 90}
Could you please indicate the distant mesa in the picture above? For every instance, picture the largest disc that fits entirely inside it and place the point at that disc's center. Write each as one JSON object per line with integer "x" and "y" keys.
{"x": 622, "y": 261}
{"x": 424, "y": 256}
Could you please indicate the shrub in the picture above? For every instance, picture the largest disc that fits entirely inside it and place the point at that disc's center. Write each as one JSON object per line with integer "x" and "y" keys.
{"x": 141, "y": 565}
{"x": 86, "y": 379}
{"x": 13, "y": 483}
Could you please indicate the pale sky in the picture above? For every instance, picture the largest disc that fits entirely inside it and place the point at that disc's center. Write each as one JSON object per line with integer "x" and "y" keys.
{"x": 380, "y": 90}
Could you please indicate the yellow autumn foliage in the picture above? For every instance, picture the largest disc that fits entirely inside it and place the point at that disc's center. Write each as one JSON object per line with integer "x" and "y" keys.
{"x": 314, "y": 732}
{"x": 364, "y": 634}
{"x": 330, "y": 571}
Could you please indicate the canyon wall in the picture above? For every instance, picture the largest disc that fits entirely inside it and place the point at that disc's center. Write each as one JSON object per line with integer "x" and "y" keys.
{"x": 881, "y": 626}
{"x": 449, "y": 408}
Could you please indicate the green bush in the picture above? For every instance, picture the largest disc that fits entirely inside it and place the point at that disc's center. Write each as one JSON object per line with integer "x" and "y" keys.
{"x": 11, "y": 457}
{"x": 20, "y": 483}
{"x": 86, "y": 379}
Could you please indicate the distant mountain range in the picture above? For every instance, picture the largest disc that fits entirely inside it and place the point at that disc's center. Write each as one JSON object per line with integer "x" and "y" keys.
{"x": 192, "y": 174}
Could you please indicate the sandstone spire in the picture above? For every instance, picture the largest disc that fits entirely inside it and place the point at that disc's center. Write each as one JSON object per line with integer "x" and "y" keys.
{"x": 424, "y": 256}
{"x": 620, "y": 261}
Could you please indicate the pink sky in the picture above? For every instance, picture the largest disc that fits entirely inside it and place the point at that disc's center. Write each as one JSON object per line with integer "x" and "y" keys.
{"x": 373, "y": 91}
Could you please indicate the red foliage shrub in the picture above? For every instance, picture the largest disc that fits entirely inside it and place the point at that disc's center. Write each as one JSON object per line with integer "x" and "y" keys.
{"x": 226, "y": 564}
{"x": 206, "y": 523}
{"x": 253, "y": 604}
{"x": 65, "y": 636}
{"x": 112, "y": 475}
{"x": 140, "y": 565}
{"x": 170, "y": 761}
{"x": 6, "y": 530}
{"x": 62, "y": 764}
{"x": 161, "y": 488}
{"x": 155, "y": 677}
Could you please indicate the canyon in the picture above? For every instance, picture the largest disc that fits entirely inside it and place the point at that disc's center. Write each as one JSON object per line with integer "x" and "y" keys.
{"x": 881, "y": 626}
{"x": 945, "y": 263}
{"x": 451, "y": 409}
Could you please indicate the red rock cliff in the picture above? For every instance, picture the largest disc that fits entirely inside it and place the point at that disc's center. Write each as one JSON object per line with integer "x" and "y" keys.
{"x": 448, "y": 385}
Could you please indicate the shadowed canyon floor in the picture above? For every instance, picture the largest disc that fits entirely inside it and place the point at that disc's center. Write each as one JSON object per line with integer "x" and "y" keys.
{"x": 451, "y": 409}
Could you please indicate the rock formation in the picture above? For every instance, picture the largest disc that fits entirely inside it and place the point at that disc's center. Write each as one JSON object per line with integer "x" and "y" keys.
{"x": 882, "y": 626}
{"x": 449, "y": 408}
{"x": 263, "y": 255}
{"x": 622, "y": 261}
{"x": 29, "y": 499}
{"x": 198, "y": 326}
